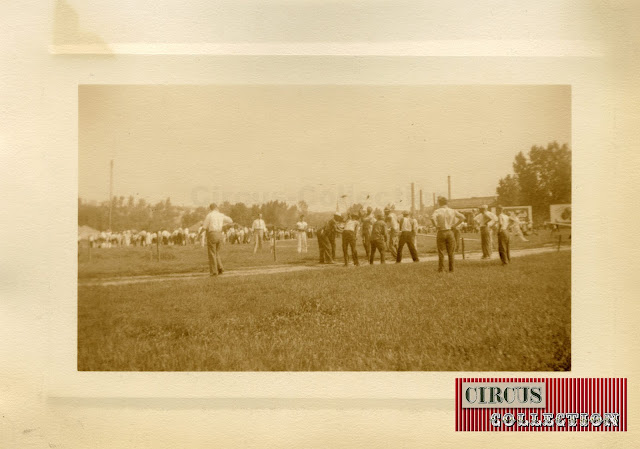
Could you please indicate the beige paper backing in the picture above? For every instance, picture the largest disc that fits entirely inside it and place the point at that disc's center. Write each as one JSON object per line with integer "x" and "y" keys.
{"x": 45, "y": 401}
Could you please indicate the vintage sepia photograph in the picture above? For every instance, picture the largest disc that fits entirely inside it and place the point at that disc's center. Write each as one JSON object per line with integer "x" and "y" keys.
{"x": 324, "y": 227}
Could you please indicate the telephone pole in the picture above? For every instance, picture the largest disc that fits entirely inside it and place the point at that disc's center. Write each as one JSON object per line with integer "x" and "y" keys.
{"x": 110, "y": 193}
{"x": 413, "y": 198}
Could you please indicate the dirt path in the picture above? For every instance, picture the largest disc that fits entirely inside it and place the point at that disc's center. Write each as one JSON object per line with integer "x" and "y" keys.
{"x": 272, "y": 269}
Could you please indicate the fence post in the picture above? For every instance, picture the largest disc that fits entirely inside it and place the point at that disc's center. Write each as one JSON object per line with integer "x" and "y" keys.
{"x": 274, "y": 246}
{"x": 158, "y": 244}
{"x": 462, "y": 238}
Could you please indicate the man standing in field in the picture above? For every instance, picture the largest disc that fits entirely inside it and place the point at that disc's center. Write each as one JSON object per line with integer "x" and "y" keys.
{"x": 379, "y": 238}
{"x": 445, "y": 219}
{"x": 367, "y": 224}
{"x": 407, "y": 235}
{"x": 258, "y": 227}
{"x": 485, "y": 220}
{"x": 504, "y": 221}
{"x": 333, "y": 228}
{"x": 301, "y": 232}
{"x": 213, "y": 224}
{"x": 349, "y": 239}
{"x": 394, "y": 229}
{"x": 324, "y": 245}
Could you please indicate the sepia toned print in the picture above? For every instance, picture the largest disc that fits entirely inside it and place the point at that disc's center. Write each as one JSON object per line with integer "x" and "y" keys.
{"x": 263, "y": 228}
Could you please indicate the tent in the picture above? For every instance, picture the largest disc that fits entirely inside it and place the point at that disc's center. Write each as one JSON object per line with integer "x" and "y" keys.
{"x": 84, "y": 232}
{"x": 195, "y": 227}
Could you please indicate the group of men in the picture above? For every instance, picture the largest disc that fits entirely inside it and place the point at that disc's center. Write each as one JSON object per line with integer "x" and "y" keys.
{"x": 213, "y": 230}
{"x": 380, "y": 232}
{"x": 385, "y": 233}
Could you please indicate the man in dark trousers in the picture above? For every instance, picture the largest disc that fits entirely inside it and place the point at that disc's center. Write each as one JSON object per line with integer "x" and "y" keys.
{"x": 324, "y": 246}
{"x": 485, "y": 220}
{"x": 349, "y": 239}
{"x": 332, "y": 229}
{"x": 367, "y": 224}
{"x": 379, "y": 238}
{"x": 503, "y": 236}
{"x": 407, "y": 234}
{"x": 445, "y": 219}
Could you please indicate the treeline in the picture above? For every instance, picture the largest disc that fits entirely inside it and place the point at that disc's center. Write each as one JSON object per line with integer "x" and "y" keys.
{"x": 539, "y": 179}
{"x": 130, "y": 214}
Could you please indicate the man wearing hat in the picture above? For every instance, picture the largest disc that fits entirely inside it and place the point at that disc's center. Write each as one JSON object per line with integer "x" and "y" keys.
{"x": 485, "y": 221}
{"x": 445, "y": 219}
{"x": 407, "y": 235}
{"x": 394, "y": 228}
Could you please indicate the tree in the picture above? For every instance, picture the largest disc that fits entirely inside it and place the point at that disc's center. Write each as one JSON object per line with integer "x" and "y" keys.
{"x": 303, "y": 207}
{"x": 508, "y": 191}
{"x": 541, "y": 179}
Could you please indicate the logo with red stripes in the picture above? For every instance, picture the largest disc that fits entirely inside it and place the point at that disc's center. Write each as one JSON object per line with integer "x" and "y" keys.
{"x": 541, "y": 405}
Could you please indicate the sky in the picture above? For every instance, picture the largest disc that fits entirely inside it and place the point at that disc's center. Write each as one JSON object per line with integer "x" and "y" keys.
{"x": 254, "y": 143}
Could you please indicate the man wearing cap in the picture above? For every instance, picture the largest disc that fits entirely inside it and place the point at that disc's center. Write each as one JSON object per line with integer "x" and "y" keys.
{"x": 258, "y": 228}
{"x": 394, "y": 229}
{"x": 379, "y": 237}
{"x": 485, "y": 221}
{"x": 212, "y": 225}
{"x": 407, "y": 235}
{"x": 504, "y": 221}
{"x": 445, "y": 219}
{"x": 349, "y": 239}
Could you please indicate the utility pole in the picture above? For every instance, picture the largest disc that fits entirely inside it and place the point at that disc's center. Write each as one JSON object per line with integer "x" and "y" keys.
{"x": 413, "y": 198}
{"x": 110, "y": 193}
{"x": 421, "y": 203}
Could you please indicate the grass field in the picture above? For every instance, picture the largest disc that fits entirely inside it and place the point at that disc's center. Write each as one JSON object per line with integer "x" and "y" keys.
{"x": 394, "y": 317}
{"x": 128, "y": 261}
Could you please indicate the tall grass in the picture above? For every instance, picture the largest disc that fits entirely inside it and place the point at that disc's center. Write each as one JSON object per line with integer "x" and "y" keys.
{"x": 394, "y": 317}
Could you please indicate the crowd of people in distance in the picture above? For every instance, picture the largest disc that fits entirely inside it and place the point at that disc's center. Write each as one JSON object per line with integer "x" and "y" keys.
{"x": 108, "y": 239}
{"x": 232, "y": 234}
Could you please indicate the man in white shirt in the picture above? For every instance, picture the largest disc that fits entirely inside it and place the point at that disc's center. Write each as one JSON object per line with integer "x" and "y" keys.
{"x": 301, "y": 232}
{"x": 407, "y": 235}
{"x": 394, "y": 230}
{"x": 213, "y": 224}
{"x": 504, "y": 221}
{"x": 445, "y": 220}
{"x": 258, "y": 228}
{"x": 367, "y": 225}
{"x": 349, "y": 239}
{"x": 485, "y": 221}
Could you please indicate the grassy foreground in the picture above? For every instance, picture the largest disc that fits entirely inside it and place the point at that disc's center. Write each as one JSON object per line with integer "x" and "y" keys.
{"x": 394, "y": 317}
